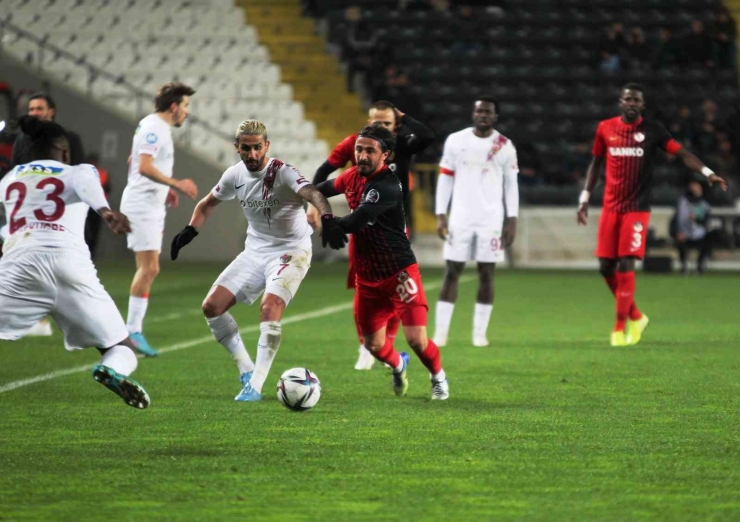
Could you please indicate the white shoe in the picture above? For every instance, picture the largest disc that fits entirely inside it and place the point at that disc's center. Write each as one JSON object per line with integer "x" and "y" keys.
{"x": 41, "y": 329}
{"x": 440, "y": 340}
{"x": 480, "y": 341}
{"x": 365, "y": 360}
{"x": 440, "y": 390}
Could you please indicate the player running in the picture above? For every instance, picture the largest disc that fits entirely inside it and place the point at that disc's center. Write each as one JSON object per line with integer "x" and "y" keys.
{"x": 627, "y": 145}
{"x": 148, "y": 194}
{"x": 388, "y": 281}
{"x": 46, "y": 267}
{"x": 478, "y": 172}
{"x": 412, "y": 137}
{"x": 277, "y": 252}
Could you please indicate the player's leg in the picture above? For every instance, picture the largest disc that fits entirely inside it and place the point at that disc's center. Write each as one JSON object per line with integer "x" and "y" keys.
{"x": 410, "y": 303}
{"x": 365, "y": 359}
{"x": 19, "y": 315}
{"x": 282, "y": 277}
{"x": 483, "y": 304}
{"x": 446, "y": 303}
{"x": 147, "y": 270}
{"x": 116, "y": 365}
{"x": 632, "y": 237}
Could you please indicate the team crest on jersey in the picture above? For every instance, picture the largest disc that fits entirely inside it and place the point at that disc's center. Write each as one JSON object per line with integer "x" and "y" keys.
{"x": 403, "y": 276}
{"x": 285, "y": 259}
{"x": 639, "y": 137}
{"x": 372, "y": 196}
{"x": 497, "y": 146}
{"x": 151, "y": 138}
{"x": 637, "y": 227}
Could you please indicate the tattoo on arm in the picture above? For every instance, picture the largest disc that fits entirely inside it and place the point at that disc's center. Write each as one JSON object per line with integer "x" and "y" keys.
{"x": 310, "y": 194}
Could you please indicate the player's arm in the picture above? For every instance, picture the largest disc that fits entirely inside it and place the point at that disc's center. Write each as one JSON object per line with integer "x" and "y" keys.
{"x": 420, "y": 137}
{"x": 147, "y": 168}
{"x": 511, "y": 198}
{"x": 598, "y": 155}
{"x": 697, "y": 165}
{"x": 343, "y": 153}
{"x": 445, "y": 185}
{"x": 86, "y": 184}
{"x": 380, "y": 199}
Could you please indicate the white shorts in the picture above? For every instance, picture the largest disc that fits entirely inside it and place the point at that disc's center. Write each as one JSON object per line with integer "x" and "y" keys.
{"x": 251, "y": 274}
{"x": 146, "y": 233}
{"x": 474, "y": 244}
{"x": 65, "y": 285}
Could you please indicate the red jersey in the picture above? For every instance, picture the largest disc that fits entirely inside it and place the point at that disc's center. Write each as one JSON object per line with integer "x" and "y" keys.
{"x": 629, "y": 150}
{"x": 343, "y": 153}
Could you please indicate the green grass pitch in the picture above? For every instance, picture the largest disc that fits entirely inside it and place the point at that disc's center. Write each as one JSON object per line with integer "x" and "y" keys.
{"x": 548, "y": 423}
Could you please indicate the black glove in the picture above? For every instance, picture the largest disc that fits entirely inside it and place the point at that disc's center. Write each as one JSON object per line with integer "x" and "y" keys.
{"x": 185, "y": 236}
{"x": 332, "y": 233}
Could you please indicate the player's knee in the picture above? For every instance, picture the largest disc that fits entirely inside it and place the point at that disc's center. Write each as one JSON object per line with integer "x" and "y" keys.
{"x": 150, "y": 271}
{"x": 271, "y": 311}
{"x": 607, "y": 269}
{"x": 373, "y": 346}
{"x": 417, "y": 343}
{"x": 211, "y": 308}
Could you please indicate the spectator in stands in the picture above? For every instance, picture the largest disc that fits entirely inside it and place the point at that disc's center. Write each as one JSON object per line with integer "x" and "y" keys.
{"x": 93, "y": 222}
{"x": 697, "y": 48}
{"x": 724, "y": 163}
{"x": 395, "y": 88}
{"x": 666, "y": 49}
{"x": 612, "y": 49}
{"x": 637, "y": 50}
{"x": 43, "y": 107}
{"x": 689, "y": 227}
{"x": 682, "y": 127}
{"x": 360, "y": 52}
{"x": 724, "y": 34}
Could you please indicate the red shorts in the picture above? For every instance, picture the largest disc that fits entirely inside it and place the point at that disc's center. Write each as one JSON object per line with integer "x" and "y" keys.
{"x": 351, "y": 272}
{"x": 622, "y": 234}
{"x": 400, "y": 295}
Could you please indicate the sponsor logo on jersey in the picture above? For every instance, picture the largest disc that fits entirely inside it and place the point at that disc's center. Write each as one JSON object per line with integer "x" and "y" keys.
{"x": 372, "y": 196}
{"x": 260, "y": 203}
{"x": 639, "y": 137}
{"x": 36, "y": 168}
{"x": 634, "y": 152}
{"x": 151, "y": 138}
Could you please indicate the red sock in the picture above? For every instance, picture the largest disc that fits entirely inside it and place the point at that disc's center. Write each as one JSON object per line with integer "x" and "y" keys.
{"x": 634, "y": 313}
{"x": 392, "y": 328}
{"x": 388, "y": 355}
{"x": 431, "y": 358}
{"x": 625, "y": 298}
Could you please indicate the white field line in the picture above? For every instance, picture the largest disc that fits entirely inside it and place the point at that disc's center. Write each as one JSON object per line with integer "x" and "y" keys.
{"x": 200, "y": 340}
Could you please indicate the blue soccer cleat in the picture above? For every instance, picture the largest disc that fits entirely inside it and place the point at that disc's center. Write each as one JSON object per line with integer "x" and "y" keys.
{"x": 400, "y": 380}
{"x": 248, "y": 394}
{"x": 142, "y": 345}
{"x": 126, "y": 388}
{"x": 244, "y": 378}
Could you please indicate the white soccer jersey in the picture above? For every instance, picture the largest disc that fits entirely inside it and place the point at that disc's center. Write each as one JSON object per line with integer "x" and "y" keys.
{"x": 153, "y": 136}
{"x": 269, "y": 198}
{"x": 484, "y": 171}
{"x": 46, "y": 203}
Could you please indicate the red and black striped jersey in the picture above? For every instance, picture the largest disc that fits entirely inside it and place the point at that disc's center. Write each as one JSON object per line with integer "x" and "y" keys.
{"x": 381, "y": 249}
{"x": 629, "y": 150}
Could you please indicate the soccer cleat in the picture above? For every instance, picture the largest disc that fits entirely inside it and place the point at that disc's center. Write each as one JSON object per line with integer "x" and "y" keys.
{"x": 635, "y": 329}
{"x": 128, "y": 389}
{"x": 41, "y": 329}
{"x": 619, "y": 339}
{"x": 365, "y": 360}
{"x": 440, "y": 390}
{"x": 142, "y": 345}
{"x": 400, "y": 380}
{"x": 244, "y": 378}
{"x": 248, "y": 394}
{"x": 480, "y": 341}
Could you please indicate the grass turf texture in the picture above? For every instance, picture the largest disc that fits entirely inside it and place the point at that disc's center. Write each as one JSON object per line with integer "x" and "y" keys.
{"x": 547, "y": 423}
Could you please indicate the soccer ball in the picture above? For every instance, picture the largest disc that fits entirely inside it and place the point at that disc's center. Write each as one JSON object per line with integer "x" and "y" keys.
{"x": 298, "y": 389}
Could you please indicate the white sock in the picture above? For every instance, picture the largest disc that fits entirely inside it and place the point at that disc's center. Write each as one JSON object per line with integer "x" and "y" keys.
{"x": 481, "y": 317}
{"x": 439, "y": 377}
{"x": 136, "y": 312}
{"x": 443, "y": 316}
{"x": 226, "y": 332}
{"x": 120, "y": 358}
{"x": 267, "y": 348}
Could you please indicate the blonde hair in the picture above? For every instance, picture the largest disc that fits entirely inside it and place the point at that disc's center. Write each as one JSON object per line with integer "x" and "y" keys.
{"x": 251, "y": 128}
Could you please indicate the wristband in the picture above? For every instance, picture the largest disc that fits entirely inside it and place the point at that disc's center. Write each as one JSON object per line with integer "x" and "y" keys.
{"x": 707, "y": 171}
{"x": 584, "y": 197}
